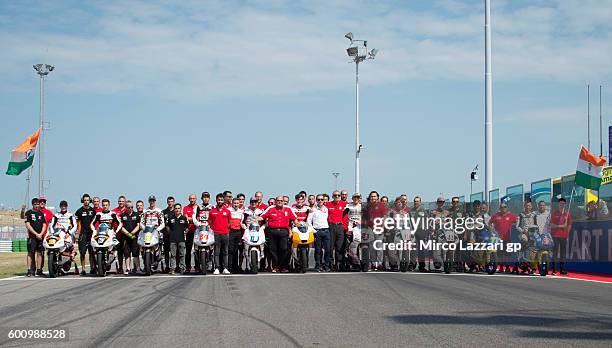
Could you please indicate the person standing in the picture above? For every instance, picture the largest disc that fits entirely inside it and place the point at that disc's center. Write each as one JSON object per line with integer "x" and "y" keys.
{"x": 219, "y": 219}
{"x": 131, "y": 225}
{"x": 279, "y": 218}
{"x": 335, "y": 209}
{"x": 139, "y": 207}
{"x": 560, "y": 226}
{"x": 46, "y": 212}
{"x": 484, "y": 210}
{"x": 312, "y": 202}
{"x": 178, "y": 225}
{"x": 119, "y": 210}
{"x": 96, "y": 204}
{"x": 235, "y": 235}
{"x": 318, "y": 220}
{"x": 227, "y": 199}
{"x": 67, "y": 222}
{"x": 542, "y": 218}
{"x": 188, "y": 213}
{"x": 153, "y": 219}
{"x": 418, "y": 213}
{"x": 502, "y": 222}
{"x": 457, "y": 213}
{"x": 352, "y": 214}
{"x": 167, "y": 212}
{"x": 241, "y": 198}
{"x": 374, "y": 210}
{"x": 85, "y": 216}
{"x": 260, "y": 204}
{"x": 36, "y": 226}
{"x": 200, "y": 217}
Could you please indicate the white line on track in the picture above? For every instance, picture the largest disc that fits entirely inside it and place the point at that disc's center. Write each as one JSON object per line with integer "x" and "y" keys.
{"x": 310, "y": 274}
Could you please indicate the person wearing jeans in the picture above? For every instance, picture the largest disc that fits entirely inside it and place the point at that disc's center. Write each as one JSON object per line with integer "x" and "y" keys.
{"x": 560, "y": 225}
{"x": 317, "y": 220}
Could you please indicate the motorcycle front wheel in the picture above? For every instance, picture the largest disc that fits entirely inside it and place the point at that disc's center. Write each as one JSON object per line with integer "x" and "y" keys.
{"x": 147, "y": 262}
{"x": 254, "y": 259}
{"x": 364, "y": 256}
{"x": 304, "y": 259}
{"x": 101, "y": 267}
{"x": 544, "y": 265}
{"x": 203, "y": 261}
{"x": 491, "y": 265}
{"x": 52, "y": 268}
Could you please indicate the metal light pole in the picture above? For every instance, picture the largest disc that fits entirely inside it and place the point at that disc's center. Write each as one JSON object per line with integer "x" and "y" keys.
{"x": 488, "y": 104}
{"x": 358, "y": 52}
{"x": 336, "y": 175}
{"x": 42, "y": 70}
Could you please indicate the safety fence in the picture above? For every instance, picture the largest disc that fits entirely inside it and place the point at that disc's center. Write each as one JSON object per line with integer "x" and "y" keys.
{"x": 586, "y": 204}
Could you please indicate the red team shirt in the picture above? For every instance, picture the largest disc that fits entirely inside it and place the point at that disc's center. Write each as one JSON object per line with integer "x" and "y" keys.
{"x": 301, "y": 213}
{"x": 188, "y": 212}
{"x": 279, "y": 217}
{"x": 335, "y": 211}
{"x": 219, "y": 220}
{"x": 503, "y": 224}
{"x": 559, "y": 218}
{"x": 118, "y": 212}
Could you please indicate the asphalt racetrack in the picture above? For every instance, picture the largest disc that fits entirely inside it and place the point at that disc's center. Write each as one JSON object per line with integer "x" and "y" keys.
{"x": 330, "y": 309}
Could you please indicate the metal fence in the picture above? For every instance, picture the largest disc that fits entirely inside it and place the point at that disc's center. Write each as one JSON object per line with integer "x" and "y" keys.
{"x": 586, "y": 204}
{"x": 9, "y": 232}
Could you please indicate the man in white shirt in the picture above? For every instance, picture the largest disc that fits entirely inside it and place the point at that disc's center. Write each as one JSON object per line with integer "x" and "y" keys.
{"x": 542, "y": 218}
{"x": 317, "y": 220}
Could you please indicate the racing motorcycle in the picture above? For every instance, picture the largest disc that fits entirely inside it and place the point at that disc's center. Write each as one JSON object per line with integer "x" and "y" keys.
{"x": 302, "y": 239}
{"x": 149, "y": 242}
{"x": 59, "y": 245}
{"x": 254, "y": 239}
{"x": 543, "y": 243}
{"x": 407, "y": 260}
{"x": 445, "y": 257}
{"x": 367, "y": 237}
{"x": 491, "y": 237}
{"x": 103, "y": 242}
{"x": 203, "y": 241}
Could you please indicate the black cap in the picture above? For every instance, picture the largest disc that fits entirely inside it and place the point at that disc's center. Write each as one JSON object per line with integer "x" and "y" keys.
{"x": 63, "y": 204}
{"x": 152, "y": 198}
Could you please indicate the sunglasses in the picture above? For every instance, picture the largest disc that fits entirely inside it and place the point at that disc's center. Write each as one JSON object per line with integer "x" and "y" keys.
{"x": 320, "y": 199}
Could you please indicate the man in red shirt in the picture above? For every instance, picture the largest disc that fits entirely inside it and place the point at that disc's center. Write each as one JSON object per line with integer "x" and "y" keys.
{"x": 560, "y": 226}
{"x": 373, "y": 210}
{"x": 46, "y": 212}
{"x": 502, "y": 222}
{"x": 120, "y": 237}
{"x": 279, "y": 218}
{"x": 219, "y": 220}
{"x": 335, "y": 208}
{"x": 260, "y": 204}
{"x": 188, "y": 213}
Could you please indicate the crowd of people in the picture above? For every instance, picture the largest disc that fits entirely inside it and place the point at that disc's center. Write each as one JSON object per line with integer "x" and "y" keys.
{"x": 332, "y": 218}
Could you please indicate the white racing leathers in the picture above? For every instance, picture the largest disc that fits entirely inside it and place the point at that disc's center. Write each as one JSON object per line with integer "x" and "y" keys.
{"x": 354, "y": 226}
{"x": 67, "y": 222}
{"x": 154, "y": 219}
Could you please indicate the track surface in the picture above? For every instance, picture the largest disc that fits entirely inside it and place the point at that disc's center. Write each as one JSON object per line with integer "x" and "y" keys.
{"x": 346, "y": 309}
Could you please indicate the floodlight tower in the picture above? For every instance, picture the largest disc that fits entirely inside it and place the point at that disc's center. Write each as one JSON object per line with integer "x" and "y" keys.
{"x": 42, "y": 70}
{"x": 358, "y": 52}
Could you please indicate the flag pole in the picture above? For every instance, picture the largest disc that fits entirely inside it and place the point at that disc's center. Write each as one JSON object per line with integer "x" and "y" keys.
{"x": 569, "y": 206}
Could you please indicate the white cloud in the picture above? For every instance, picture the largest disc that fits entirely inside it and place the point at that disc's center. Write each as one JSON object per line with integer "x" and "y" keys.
{"x": 191, "y": 51}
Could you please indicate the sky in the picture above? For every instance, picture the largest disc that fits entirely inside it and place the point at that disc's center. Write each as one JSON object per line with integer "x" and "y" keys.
{"x": 160, "y": 97}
